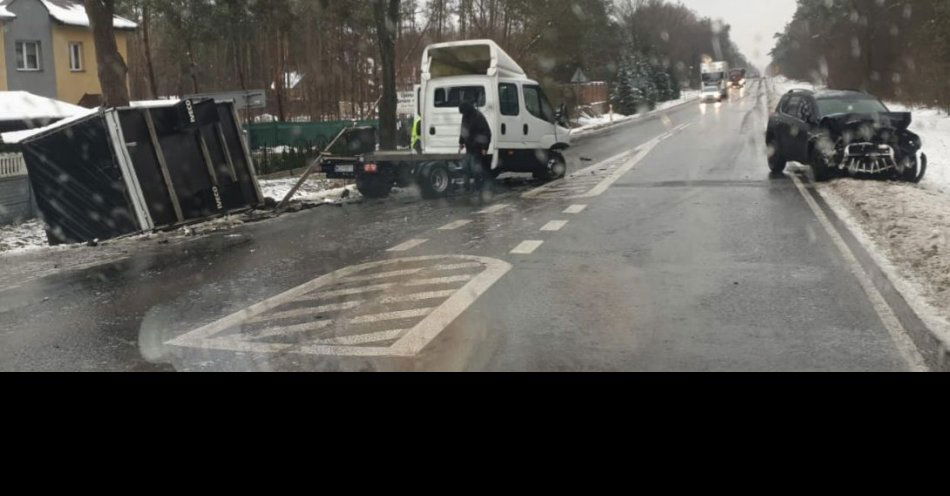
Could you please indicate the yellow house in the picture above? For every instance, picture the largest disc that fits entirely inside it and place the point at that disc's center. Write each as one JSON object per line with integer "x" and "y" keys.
{"x": 47, "y": 48}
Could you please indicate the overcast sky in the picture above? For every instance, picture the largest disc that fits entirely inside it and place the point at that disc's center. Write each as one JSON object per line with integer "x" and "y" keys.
{"x": 753, "y": 22}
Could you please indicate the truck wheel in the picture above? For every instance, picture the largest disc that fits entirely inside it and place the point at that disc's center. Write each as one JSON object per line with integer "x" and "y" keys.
{"x": 374, "y": 186}
{"x": 777, "y": 162}
{"x": 555, "y": 168}
{"x": 434, "y": 181}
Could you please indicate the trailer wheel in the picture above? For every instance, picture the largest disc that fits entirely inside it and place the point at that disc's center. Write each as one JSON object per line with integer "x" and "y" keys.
{"x": 374, "y": 186}
{"x": 434, "y": 181}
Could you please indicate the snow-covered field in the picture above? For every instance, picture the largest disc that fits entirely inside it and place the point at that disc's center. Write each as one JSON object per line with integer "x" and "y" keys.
{"x": 906, "y": 225}
{"x": 590, "y": 124}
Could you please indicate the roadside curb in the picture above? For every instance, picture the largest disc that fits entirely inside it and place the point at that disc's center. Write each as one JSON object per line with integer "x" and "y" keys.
{"x": 639, "y": 117}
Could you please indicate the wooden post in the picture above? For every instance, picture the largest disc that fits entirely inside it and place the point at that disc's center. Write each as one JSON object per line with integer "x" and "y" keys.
{"x": 306, "y": 175}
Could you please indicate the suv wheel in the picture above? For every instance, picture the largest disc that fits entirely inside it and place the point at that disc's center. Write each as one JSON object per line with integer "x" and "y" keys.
{"x": 820, "y": 166}
{"x": 777, "y": 162}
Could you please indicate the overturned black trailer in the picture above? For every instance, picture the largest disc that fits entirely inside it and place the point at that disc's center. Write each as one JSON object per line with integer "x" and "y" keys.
{"x": 127, "y": 170}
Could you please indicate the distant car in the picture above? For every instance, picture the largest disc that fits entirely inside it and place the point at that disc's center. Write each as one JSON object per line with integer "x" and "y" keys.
{"x": 843, "y": 132}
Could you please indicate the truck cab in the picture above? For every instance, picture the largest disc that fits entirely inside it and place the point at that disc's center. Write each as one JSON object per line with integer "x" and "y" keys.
{"x": 527, "y": 134}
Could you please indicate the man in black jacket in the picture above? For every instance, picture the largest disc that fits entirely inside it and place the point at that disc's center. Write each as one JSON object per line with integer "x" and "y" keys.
{"x": 475, "y": 139}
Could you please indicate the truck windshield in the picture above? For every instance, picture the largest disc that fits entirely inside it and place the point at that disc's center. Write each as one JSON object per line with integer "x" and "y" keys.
{"x": 850, "y": 106}
{"x": 453, "y": 97}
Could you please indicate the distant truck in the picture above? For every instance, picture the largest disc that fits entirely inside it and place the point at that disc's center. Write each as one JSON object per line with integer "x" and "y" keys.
{"x": 528, "y": 135}
{"x": 737, "y": 77}
{"x": 715, "y": 81}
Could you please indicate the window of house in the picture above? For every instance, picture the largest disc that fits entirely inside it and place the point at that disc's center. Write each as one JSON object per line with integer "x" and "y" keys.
{"x": 28, "y": 56}
{"x": 76, "y": 57}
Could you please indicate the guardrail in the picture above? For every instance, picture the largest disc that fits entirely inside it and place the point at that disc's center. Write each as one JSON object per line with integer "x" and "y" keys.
{"x": 12, "y": 165}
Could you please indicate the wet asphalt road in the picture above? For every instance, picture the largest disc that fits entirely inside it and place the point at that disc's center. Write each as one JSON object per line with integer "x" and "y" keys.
{"x": 682, "y": 255}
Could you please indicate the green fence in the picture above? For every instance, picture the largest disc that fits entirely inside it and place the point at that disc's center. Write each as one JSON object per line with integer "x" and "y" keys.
{"x": 300, "y": 135}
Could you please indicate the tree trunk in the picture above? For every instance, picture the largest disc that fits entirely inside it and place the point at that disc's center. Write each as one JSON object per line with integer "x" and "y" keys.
{"x": 147, "y": 46}
{"x": 387, "y": 18}
{"x": 113, "y": 73}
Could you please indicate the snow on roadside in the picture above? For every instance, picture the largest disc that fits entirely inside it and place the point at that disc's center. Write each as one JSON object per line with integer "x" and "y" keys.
{"x": 314, "y": 190}
{"x": 590, "y": 124}
{"x": 909, "y": 225}
{"x": 21, "y": 238}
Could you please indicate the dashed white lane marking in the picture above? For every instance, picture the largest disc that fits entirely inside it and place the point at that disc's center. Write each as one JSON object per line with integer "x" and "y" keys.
{"x": 902, "y": 341}
{"x": 455, "y": 225}
{"x": 575, "y": 209}
{"x": 554, "y": 225}
{"x": 493, "y": 209}
{"x": 396, "y": 318}
{"x": 408, "y": 245}
{"x": 527, "y": 247}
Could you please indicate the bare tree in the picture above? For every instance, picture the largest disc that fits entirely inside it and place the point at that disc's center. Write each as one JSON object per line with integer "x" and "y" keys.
{"x": 386, "y": 13}
{"x": 113, "y": 72}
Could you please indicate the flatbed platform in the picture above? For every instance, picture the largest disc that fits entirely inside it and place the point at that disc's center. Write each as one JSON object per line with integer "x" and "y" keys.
{"x": 400, "y": 156}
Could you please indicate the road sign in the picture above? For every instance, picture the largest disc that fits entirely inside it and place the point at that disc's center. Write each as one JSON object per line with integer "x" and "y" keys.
{"x": 245, "y": 99}
{"x": 406, "y": 103}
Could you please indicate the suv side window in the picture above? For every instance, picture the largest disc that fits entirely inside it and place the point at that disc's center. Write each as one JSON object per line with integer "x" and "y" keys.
{"x": 807, "y": 110}
{"x": 793, "y": 107}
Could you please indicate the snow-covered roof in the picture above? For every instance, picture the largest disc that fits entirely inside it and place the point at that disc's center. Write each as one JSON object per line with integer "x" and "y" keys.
{"x": 6, "y": 14}
{"x": 73, "y": 13}
{"x": 22, "y": 105}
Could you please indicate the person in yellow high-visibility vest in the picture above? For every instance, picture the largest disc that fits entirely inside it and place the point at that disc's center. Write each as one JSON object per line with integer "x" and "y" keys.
{"x": 417, "y": 134}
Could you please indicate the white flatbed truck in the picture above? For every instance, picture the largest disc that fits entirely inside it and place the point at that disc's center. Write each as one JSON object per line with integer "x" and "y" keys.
{"x": 527, "y": 134}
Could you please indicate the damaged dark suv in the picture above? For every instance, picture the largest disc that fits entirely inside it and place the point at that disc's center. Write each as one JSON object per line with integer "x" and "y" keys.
{"x": 839, "y": 132}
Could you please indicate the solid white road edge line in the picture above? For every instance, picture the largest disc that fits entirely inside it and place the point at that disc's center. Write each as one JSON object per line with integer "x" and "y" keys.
{"x": 893, "y": 325}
